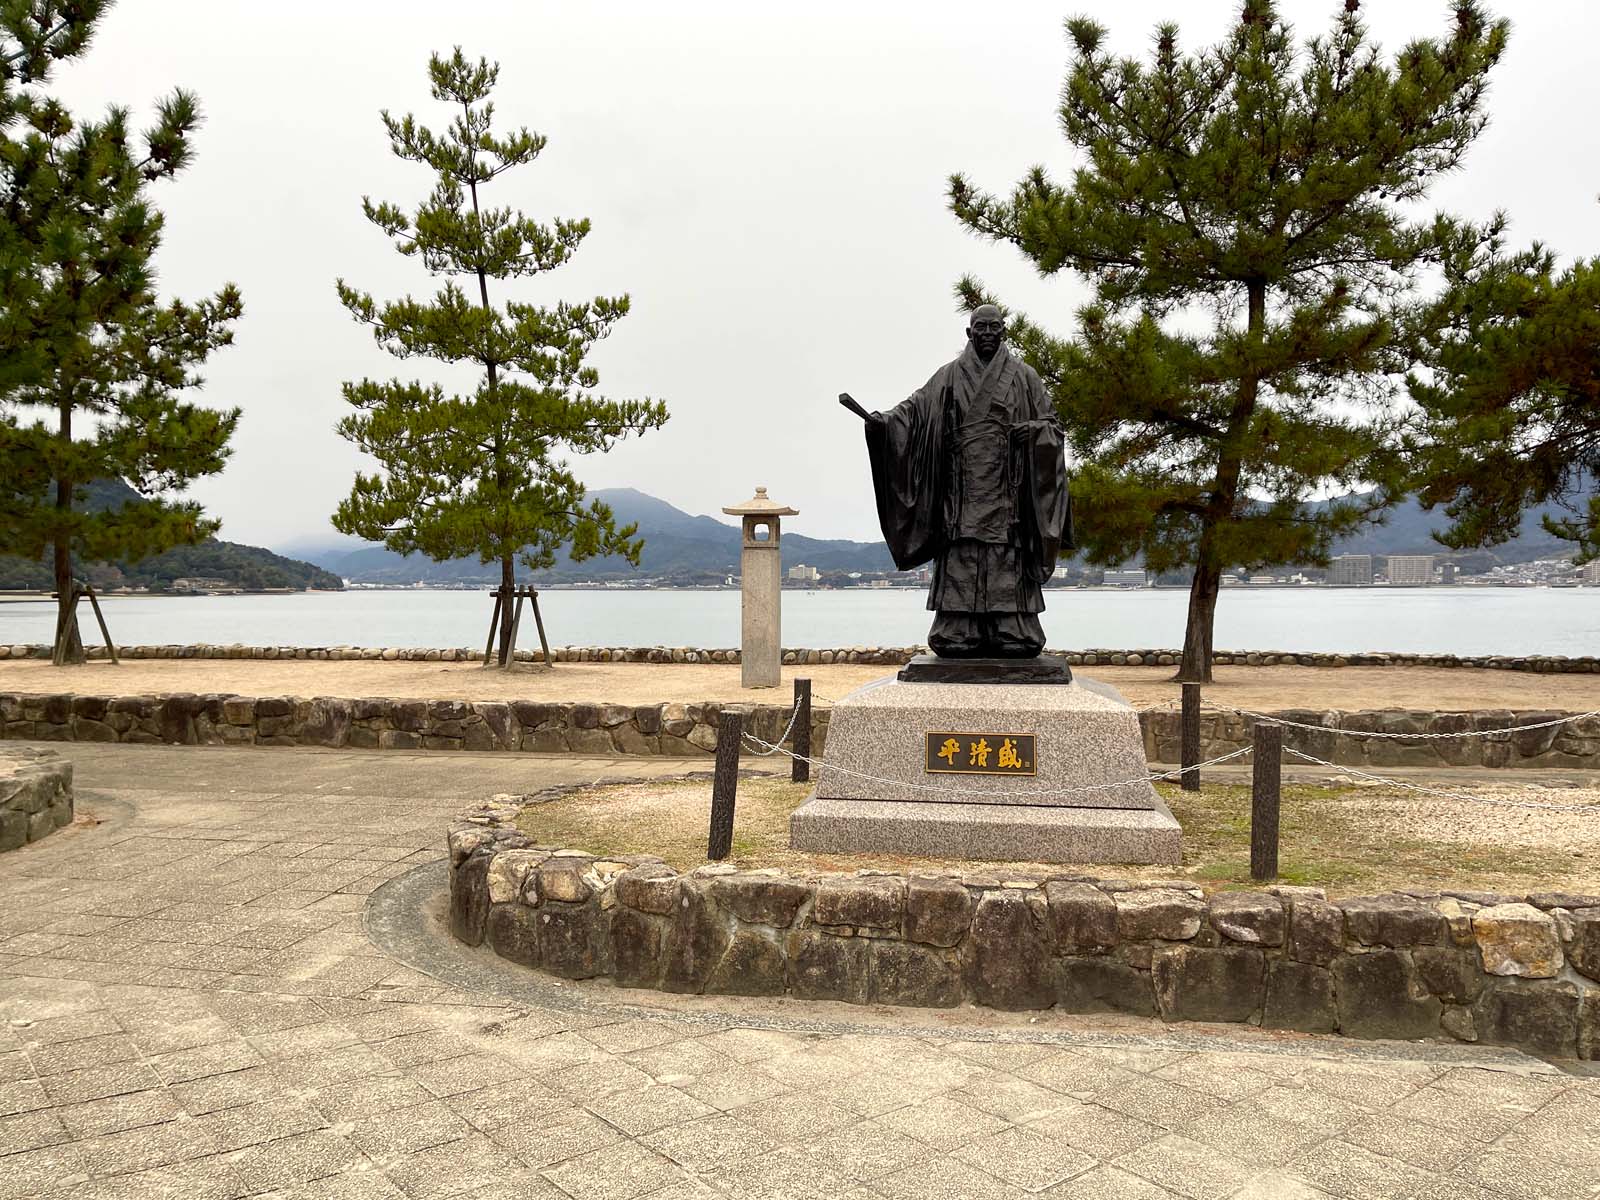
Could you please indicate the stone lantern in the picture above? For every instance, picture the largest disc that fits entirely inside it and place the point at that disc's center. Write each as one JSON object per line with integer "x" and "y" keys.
{"x": 760, "y": 589}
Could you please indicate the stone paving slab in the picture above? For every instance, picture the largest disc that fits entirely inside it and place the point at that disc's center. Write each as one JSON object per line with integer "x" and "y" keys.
{"x": 202, "y": 997}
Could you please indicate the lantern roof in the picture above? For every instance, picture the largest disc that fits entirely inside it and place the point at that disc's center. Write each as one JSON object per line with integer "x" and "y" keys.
{"x": 760, "y": 506}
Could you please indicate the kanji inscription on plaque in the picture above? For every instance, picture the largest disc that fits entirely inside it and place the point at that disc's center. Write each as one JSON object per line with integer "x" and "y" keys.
{"x": 980, "y": 754}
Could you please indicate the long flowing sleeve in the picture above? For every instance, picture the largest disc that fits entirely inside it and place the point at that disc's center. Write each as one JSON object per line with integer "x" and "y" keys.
{"x": 906, "y": 448}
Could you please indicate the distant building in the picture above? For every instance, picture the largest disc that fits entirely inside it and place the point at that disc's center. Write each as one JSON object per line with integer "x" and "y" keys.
{"x": 1411, "y": 570}
{"x": 1448, "y": 572}
{"x": 801, "y": 573}
{"x": 203, "y": 584}
{"x": 1350, "y": 570}
{"x": 1125, "y": 577}
{"x": 1589, "y": 574}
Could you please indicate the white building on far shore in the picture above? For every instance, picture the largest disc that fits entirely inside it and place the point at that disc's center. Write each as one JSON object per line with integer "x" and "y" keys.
{"x": 1350, "y": 570}
{"x": 1411, "y": 570}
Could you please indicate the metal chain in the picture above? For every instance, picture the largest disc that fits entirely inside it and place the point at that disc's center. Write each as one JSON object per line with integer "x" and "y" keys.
{"x": 782, "y": 738}
{"x": 1158, "y": 777}
{"x": 1418, "y": 737}
{"x": 967, "y": 795}
{"x": 1591, "y": 808}
{"x": 770, "y": 748}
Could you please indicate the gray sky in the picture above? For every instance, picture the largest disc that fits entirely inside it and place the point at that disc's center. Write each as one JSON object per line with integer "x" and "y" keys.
{"x": 767, "y": 182}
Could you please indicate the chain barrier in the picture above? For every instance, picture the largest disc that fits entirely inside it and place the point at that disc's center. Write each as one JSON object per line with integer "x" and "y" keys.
{"x": 782, "y": 737}
{"x": 762, "y": 748}
{"x": 1592, "y": 807}
{"x": 818, "y": 763}
{"x": 1269, "y": 719}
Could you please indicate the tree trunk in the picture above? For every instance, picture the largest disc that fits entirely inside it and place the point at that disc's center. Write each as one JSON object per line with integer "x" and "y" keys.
{"x": 68, "y": 648}
{"x": 68, "y": 651}
{"x": 1196, "y": 664}
{"x": 508, "y": 581}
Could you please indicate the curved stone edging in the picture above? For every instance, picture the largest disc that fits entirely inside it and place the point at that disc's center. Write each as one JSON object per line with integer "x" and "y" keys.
{"x": 1556, "y": 664}
{"x": 690, "y": 730}
{"x": 1518, "y": 971}
{"x": 35, "y": 796}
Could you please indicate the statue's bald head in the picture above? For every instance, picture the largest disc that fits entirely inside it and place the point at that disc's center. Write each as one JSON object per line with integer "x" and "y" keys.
{"x": 986, "y": 329}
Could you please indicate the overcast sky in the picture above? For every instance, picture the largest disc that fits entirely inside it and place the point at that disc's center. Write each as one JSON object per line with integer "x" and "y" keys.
{"x": 767, "y": 182}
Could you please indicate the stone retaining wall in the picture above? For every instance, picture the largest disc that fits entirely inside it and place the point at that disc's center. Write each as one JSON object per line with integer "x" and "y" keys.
{"x": 1512, "y": 970}
{"x": 35, "y": 796}
{"x": 1556, "y": 664}
{"x": 685, "y": 730}
{"x": 689, "y": 730}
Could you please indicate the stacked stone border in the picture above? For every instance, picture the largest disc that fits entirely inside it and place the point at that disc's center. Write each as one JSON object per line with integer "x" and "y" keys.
{"x": 35, "y": 796}
{"x": 1556, "y": 664}
{"x": 1455, "y": 739}
{"x": 1521, "y": 971}
{"x": 381, "y": 723}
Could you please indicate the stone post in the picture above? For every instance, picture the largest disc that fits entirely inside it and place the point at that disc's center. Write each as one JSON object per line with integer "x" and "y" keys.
{"x": 760, "y": 590}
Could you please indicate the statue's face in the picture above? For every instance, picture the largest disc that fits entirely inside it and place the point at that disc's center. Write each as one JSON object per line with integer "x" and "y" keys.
{"x": 986, "y": 330}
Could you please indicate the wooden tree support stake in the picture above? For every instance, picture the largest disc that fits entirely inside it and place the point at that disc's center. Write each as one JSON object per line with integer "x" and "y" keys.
{"x": 65, "y": 618}
{"x": 494, "y": 626}
{"x": 1266, "y": 789}
{"x": 1190, "y": 726}
{"x": 94, "y": 602}
{"x": 799, "y": 769}
{"x": 508, "y": 613}
{"x": 538, "y": 620}
{"x": 724, "y": 785}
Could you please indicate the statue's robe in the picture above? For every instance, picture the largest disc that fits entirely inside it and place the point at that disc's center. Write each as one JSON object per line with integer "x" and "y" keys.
{"x": 970, "y": 474}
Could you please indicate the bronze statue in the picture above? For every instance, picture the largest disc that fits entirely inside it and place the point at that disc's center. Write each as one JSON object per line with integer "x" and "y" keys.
{"x": 970, "y": 474}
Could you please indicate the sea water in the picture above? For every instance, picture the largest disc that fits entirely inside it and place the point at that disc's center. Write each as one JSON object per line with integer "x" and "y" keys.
{"x": 1440, "y": 620}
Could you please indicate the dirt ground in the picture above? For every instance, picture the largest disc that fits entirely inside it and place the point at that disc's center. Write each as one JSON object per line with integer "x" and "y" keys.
{"x": 1350, "y": 839}
{"x": 1347, "y": 688}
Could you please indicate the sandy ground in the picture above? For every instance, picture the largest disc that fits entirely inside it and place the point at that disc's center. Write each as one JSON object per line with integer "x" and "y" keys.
{"x": 1348, "y": 837}
{"x": 629, "y": 683}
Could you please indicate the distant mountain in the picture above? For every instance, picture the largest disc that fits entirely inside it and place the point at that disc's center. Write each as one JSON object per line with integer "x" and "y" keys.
{"x": 676, "y": 545}
{"x": 682, "y": 546}
{"x": 249, "y": 567}
{"x": 1409, "y": 529}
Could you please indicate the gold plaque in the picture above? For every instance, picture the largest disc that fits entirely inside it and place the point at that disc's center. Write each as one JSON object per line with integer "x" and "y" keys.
{"x": 980, "y": 754}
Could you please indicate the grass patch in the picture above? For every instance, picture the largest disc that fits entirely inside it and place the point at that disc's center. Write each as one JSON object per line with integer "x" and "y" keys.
{"x": 1343, "y": 839}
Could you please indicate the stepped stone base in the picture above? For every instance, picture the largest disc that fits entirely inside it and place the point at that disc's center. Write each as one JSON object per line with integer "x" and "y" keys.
{"x": 988, "y": 832}
{"x": 1087, "y": 798}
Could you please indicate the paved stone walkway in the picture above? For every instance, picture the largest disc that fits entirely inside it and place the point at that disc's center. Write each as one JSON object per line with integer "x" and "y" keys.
{"x": 191, "y": 1006}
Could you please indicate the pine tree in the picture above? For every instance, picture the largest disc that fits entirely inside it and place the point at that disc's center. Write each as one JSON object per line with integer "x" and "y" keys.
{"x": 1511, "y": 397}
{"x": 83, "y": 337}
{"x": 1238, "y": 210}
{"x": 479, "y": 473}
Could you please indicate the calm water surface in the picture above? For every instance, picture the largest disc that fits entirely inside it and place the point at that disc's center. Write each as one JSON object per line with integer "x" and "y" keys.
{"x": 1420, "y": 620}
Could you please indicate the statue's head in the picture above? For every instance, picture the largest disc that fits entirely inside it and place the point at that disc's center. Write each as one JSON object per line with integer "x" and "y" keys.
{"x": 986, "y": 329}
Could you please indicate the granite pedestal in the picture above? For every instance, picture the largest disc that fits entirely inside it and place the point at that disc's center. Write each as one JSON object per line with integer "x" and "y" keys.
{"x": 1087, "y": 800}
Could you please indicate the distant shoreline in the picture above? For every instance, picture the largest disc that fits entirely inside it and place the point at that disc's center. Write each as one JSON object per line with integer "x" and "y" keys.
{"x": 34, "y": 597}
